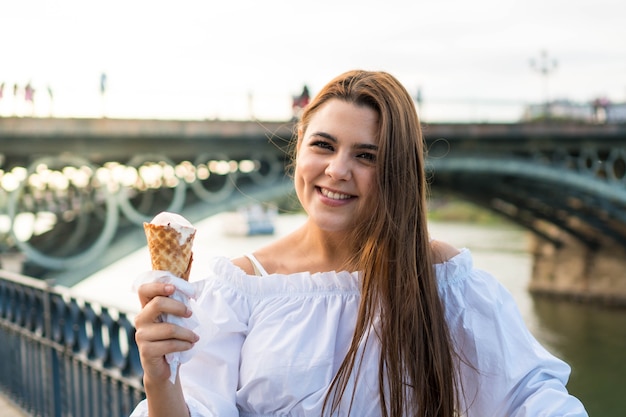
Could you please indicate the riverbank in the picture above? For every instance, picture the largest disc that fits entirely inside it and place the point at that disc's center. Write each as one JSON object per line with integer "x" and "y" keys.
{"x": 442, "y": 208}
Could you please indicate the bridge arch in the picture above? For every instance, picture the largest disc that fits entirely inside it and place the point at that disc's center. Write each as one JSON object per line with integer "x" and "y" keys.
{"x": 526, "y": 191}
{"x": 568, "y": 189}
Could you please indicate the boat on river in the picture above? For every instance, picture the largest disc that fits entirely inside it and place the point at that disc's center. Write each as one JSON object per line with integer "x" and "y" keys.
{"x": 251, "y": 220}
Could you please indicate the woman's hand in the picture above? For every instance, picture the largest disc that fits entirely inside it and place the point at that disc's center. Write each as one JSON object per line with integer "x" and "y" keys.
{"x": 154, "y": 337}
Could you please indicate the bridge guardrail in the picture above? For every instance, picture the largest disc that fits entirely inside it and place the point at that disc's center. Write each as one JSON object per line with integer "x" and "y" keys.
{"x": 62, "y": 356}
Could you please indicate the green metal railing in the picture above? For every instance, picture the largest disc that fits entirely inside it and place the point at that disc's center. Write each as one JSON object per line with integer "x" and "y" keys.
{"x": 61, "y": 356}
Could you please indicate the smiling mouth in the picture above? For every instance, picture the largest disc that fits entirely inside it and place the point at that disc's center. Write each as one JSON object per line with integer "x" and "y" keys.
{"x": 333, "y": 195}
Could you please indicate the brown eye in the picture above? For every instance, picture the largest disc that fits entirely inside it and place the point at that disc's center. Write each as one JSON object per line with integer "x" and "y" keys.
{"x": 369, "y": 157}
{"x": 322, "y": 144}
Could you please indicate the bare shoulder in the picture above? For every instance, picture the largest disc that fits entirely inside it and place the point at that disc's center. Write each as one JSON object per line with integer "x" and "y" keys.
{"x": 270, "y": 256}
{"x": 244, "y": 264}
{"x": 442, "y": 251}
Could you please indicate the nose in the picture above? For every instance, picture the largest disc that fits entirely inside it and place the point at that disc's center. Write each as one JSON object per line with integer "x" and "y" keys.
{"x": 339, "y": 168}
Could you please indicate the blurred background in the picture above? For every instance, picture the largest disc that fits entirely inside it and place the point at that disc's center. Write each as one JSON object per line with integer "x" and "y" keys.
{"x": 486, "y": 60}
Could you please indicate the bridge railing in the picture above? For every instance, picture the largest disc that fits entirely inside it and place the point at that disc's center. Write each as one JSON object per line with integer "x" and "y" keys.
{"x": 62, "y": 356}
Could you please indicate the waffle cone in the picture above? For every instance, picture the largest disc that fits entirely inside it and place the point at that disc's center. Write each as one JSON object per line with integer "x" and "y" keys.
{"x": 166, "y": 252}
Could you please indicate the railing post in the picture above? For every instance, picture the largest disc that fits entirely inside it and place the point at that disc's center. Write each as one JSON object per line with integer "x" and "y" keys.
{"x": 50, "y": 358}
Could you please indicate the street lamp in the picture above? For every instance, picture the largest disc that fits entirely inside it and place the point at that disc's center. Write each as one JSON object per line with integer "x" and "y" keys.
{"x": 545, "y": 66}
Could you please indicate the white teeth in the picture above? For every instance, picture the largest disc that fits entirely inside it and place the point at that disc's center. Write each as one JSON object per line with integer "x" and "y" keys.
{"x": 334, "y": 196}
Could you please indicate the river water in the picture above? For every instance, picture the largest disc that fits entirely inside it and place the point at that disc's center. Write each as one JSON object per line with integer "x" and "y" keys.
{"x": 591, "y": 339}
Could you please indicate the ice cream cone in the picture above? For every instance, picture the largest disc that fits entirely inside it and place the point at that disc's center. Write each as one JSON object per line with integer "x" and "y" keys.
{"x": 170, "y": 247}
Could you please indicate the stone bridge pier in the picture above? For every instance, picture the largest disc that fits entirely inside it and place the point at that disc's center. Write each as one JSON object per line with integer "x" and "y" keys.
{"x": 578, "y": 272}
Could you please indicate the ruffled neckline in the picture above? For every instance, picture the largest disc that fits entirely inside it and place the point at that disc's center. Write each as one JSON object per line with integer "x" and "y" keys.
{"x": 449, "y": 272}
{"x": 276, "y": 284}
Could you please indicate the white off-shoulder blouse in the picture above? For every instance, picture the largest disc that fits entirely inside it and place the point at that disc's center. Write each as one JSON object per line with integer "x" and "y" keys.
{"x": 270, "y": 345}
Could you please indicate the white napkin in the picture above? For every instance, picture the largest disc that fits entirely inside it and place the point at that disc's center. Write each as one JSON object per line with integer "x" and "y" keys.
{"x": 185, "y": 292}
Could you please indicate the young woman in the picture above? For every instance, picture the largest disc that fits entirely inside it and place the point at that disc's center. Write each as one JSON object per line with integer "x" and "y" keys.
{"x": 358, "y": 312}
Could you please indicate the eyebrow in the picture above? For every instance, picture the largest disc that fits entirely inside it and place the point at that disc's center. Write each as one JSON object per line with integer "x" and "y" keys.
{"x": 330, "y": 137}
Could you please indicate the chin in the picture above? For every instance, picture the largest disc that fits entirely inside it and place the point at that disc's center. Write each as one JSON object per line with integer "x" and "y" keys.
{"x": 335, "y": 226}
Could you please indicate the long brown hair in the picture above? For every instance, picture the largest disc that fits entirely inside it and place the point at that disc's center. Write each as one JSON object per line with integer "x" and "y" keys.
{"x": 417, "y": 375}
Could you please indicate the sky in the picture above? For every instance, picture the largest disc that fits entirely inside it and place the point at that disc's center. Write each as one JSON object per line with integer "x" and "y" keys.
{"x": 236, "y": 59}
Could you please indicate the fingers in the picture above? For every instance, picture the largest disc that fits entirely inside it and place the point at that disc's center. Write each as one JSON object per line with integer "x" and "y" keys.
{"x": 150, "y": 290}
{"x": 156, "y": 303}
{"x": 150, "y": 328}
{"x": 155, "y": 340}
{"x": 158, "y": 339}
{"x": 153, "y": 311}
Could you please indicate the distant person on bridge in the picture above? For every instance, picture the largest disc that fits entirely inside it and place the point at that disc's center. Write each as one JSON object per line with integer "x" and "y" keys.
{"x": 103, "y": 91}
{"x": 29, "y": 98}
{"x": 359, "y": 312}
{"x": 300, "y": 102}
{"x": 1, "y": 96}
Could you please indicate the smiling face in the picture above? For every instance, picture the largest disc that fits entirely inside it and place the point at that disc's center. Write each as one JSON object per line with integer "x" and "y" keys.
{"x": 335, "y": 174}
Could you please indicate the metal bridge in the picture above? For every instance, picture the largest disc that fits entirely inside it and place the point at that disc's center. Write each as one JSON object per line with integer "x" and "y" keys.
{"x": 564, "y": 182}
{"x": 572, "y": 177}
{"x": 81, "y": 188}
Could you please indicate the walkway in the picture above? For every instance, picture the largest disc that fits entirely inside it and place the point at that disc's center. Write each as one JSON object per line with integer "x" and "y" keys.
{"x": 9, "y": 409}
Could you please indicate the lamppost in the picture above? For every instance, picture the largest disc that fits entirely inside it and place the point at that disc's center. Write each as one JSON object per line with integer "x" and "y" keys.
{"x": 545, "y": 66}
